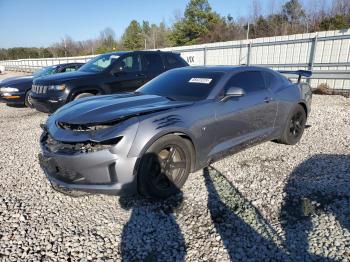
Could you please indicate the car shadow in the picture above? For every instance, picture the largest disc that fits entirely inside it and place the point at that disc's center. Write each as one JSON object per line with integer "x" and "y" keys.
{"x": 318, "y": 185}
{"x": 244, "y": 232}
{"x": 152, "y": 233}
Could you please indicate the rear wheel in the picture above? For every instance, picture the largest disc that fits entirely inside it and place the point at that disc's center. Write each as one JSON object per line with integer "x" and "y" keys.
{"x": 82, "y": 95}
{"x": 295, "y": 125}
{"x": 165, "y": 167}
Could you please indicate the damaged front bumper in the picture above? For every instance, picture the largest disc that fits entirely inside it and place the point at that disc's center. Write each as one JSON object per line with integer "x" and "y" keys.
{"x": 90, "y": 167}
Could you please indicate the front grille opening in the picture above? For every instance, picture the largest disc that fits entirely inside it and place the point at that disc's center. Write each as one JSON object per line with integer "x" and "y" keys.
{"x": 55, "y": 146}
{"x": 39, "y": 89}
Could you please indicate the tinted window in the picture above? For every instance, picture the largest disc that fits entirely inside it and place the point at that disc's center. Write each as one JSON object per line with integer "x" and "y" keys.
{"x": 129, "y": 63}
{"x": 250, "y": 81}
{"x": 188, "y": 85}
{"x": 174, "y": 61}
{"x": 271, "y": 80}
{"x": 69, "y": 69}
{"x": 152, "y": 62}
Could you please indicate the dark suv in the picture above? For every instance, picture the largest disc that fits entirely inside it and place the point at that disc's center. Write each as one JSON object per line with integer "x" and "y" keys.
{"x": 105, "y": 74}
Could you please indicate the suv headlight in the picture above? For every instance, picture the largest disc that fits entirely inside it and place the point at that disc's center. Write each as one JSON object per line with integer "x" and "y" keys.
{"x": 57, "y": 87}
{"x": 8, "y": 89}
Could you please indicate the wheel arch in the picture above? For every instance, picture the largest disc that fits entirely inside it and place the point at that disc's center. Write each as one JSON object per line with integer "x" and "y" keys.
{"x": 304, "y": 107}
{"x": 92, "y": 90}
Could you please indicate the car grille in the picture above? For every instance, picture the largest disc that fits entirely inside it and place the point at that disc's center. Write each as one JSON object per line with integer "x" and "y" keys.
{"x": 55, "y": 146}
{"x": 39, "y": 89}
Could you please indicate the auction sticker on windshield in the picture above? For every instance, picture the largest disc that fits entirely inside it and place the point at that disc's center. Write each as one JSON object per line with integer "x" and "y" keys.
{"x": 200, "y": 80}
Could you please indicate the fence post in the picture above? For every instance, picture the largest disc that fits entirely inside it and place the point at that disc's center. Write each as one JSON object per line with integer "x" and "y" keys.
{"x": 205, "y": 56}
{"x": 312, "y": 56}
{"x": 249, "y": 53}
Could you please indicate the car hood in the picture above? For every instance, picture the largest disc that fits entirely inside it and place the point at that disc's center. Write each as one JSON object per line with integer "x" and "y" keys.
{"x": 109, "y": 108}
{"x": 60, "y": 78}
{"x": 16, "y": 80}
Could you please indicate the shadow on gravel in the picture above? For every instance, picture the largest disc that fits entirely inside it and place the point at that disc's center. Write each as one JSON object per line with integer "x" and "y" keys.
{"x": 321, "y": 184}
{"x": 16, "y": 106}
{"x": 152, "y": 234}
{"x": 243, "y": 230}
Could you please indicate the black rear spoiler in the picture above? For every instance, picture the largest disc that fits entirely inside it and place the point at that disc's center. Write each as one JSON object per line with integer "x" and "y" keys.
{"x": 300, "y": 73}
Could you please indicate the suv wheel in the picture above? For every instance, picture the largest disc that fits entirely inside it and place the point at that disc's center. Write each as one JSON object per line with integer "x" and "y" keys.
{"x": 82, "y": 95}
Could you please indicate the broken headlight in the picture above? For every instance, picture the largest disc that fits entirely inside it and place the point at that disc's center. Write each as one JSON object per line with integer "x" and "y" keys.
{"x": 55, "y": 146}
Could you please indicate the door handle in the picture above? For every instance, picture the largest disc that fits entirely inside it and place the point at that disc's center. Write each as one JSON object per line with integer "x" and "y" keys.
{"x": 268, "y": 99}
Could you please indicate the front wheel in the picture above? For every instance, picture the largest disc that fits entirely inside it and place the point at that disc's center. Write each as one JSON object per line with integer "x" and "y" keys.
{"x": 165, "y": 166}
{"x": 295, "y": 125}
{"x": 28, "y": 101}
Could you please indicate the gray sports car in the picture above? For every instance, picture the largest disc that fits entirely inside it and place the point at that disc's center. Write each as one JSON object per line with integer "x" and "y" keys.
{"x": 149, "y": 141}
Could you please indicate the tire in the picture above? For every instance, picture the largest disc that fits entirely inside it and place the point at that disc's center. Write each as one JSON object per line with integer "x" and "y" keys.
{"x": 295, "y": 126}
{"x": 158, "y": 176}
{"x": 27, "y": 101}
{"x": 82, "y": 95}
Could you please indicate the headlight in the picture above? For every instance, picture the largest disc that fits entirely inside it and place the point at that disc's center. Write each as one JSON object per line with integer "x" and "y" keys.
{"x": 57, "y": 87}
{"x": 8, "y": 89}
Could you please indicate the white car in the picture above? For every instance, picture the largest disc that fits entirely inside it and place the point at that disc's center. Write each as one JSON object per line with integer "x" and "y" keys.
{"x": 2, "y": 69}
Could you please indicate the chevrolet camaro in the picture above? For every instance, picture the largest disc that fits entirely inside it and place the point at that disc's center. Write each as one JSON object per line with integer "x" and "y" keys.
{"x": 148, "y": 141}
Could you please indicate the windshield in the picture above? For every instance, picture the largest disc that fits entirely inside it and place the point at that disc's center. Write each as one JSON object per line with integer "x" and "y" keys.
{"x": 99, "y": 63}
{"x": 182, "y": 85}
{"x": 45, "y": 71}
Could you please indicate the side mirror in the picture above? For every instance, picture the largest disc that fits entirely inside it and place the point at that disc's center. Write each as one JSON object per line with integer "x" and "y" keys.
{"x": 233, "y": 92}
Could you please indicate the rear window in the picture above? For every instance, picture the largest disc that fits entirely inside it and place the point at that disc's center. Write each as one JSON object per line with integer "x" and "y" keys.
{"x": 174, "y": 61}
{"x": 152, "y": 62}
{"x": 182, "y": 85}
{"x": 249, "y": 81}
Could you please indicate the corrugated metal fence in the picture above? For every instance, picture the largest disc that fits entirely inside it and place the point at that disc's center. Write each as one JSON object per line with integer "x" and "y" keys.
{"x": 327, "y": 54}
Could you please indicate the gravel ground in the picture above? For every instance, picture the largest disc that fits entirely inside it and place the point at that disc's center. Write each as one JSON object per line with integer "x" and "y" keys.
{"x": 270, "y": 202}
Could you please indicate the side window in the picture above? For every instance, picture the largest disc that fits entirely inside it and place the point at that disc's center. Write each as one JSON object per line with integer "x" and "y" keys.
{"x": 249, "y": 81}
{"x": 130, "y": 63}
{"x": 173, "y": 61}
{"x": 152, "y": 62}
{"x": 70, "y": 69}
{"x": 271, "y": 80}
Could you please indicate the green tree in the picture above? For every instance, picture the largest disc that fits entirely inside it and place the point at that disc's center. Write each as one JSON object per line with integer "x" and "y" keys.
{"x": 335, "y": 22}
{"x": 198, "y": 20}
{"x": 133, "y": 37}
{"x": 293, "y": 11}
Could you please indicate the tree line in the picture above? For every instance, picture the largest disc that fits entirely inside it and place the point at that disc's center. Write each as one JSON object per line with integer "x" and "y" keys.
{"x": 201, "y": 24}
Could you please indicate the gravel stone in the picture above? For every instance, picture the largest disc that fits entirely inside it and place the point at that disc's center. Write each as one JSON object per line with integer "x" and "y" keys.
{"x": 269, "y": 202}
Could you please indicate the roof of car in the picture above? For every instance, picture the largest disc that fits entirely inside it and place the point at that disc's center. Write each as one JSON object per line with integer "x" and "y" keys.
{"x": 138, "y": 51}
{"x": 223, "y": 68}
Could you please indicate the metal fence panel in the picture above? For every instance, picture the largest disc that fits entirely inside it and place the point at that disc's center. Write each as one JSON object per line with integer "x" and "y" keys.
{"x": 327, "y": 54}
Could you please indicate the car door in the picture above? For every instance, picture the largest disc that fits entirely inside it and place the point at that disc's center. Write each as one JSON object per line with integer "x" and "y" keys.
{"x": 152, "y": 65}
{"x": 126, "y": 74}
{"x": 246, "y": 119}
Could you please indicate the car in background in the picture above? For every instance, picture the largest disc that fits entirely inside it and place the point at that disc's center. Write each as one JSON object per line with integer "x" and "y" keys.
{"x": 149, "y": 141}
{"x": 15, "y": 90}
{"x": 2, "y": 69}
{"x": 105, "y": 74}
